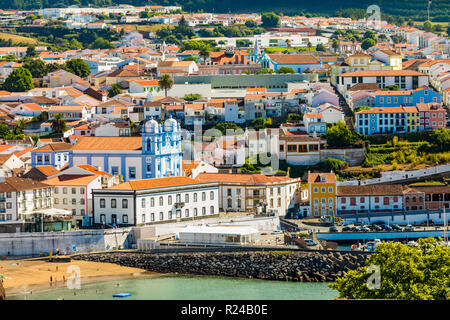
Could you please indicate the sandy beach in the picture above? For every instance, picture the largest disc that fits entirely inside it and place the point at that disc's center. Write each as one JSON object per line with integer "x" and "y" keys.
{"x": 34, "y": 274}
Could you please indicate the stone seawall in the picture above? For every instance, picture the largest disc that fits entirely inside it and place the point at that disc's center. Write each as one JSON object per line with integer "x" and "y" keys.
{"x": 295, "y": 266}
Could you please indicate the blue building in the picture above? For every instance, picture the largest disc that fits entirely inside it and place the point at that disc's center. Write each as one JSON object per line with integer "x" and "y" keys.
{"x": 156, "y": 154}
{"x": 55, "y": 154}
{"x": 384, "y": 99}
{"x": 314, "y": 123}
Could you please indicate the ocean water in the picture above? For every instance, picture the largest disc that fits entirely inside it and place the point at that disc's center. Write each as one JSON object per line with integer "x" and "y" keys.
{"x": 177, "y": 287}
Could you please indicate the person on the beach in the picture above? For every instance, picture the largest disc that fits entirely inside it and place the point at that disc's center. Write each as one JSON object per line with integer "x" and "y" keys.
{"x": 51, "y": 280}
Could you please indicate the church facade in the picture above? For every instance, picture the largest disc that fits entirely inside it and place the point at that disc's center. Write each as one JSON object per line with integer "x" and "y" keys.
{"x": 156, "y": 154}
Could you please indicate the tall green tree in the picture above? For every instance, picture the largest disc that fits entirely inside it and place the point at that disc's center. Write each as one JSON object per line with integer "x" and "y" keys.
{"x": 36, "y": 67}
{"x": 339, "y": 136}
{"x": 20, "y": 126}
{"x": 20, "y": 80}
{"x": 4, "y": 130}
{"x": 259, "y": 123}
{"x": 165, "y": 83}
{"x": 78, "y": 67}
{"x": 58, "y": 124}
{"x": 270, "y": 20}
{"x": 427, "y": 26}
{"x": 407, "y": 272}
{"x": 114, "y": 91}
{"x": 204, "y": 53}
{"x": 31, "y": 51}
{"x": 367, "y": 43}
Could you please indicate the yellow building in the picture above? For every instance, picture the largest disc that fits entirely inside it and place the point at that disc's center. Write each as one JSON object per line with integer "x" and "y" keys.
{"x": 412, "y": 118}
{"x": 322, "y": 194}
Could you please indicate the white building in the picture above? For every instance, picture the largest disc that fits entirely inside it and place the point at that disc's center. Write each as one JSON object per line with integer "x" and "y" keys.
{"x": 72, "y": 190}
{"x": 374, "y": 198}
{"x": 153, "y": 200}
{"x": 246, "y": 192}
{"x": 218, "y": 235}
{"x": 405, "y": 79}
{"x": 19, "y": 199}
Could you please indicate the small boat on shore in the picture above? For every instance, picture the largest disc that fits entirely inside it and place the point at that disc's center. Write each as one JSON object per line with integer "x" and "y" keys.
{"x": 121, "y": 295}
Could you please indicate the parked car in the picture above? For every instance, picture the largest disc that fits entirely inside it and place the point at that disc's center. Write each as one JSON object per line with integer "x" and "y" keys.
{"x": 378, "y": 223}
{"x": 396, "y": 227}
{"x": 386, "y": 227}
{"x": 276, "y": 232}
{"x": 375, "y": 227}
{"x": 358, "y": 223}
{"x": 333, "y": 229}
{"x": 293, "y": 235}
{"x": 408, "y": 228}
{"x": 310, "y": 242}
{"x": 346, "y": 229}
{"x": 364, "y": 229}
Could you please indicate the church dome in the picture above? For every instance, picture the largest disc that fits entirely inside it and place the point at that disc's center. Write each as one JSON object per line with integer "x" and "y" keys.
{"x": 170, "y": 125}
{"x": 151, "y": 126}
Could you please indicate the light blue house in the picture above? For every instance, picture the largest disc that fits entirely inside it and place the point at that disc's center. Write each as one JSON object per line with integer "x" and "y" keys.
{"x": 314, "y": 123}
{"x": 55, "y": 154}
{"x": 406, "y": 98}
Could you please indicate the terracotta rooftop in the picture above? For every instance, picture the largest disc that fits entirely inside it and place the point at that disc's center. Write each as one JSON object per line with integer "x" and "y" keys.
{"x": 47, "y": 170}
{"x": 108, "y": 143}
{"x": 330, "y": 177}
{"x": 156, "y": 183}
{"x": 70, "y": 180}
{"x": 55, "y": 146}
{"x": 20, "y": 184}
{"x": 370, "y": 190}
{"x": 294, "y": 58}
{"x": 241, "y": 178}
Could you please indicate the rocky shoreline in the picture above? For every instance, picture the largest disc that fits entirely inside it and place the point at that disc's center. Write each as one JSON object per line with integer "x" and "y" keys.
{"x": 292, "y": 266}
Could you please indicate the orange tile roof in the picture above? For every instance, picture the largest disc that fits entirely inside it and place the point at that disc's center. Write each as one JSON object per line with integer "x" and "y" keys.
{"x": 188, "y": 166}
{"x": 393, "y": 92}
{"x": 108, "y": 143}
{"x": 315, "y": 177}
{"x": 32, "y": 106}
{"x": 142, "y": 82}
{"x": 294, "y": 58}
{"x": 55, "y": 146}
{"x": 374, "y": 73}
{"x": 384, "y": 110}
{"x": 241, "y": 178}
{"x": 156, "y": 183}
{"x": 93, "y": 169}
{"x": 70, "y": 180}
{"x": 24, "y": 151}
{"x": 47, "y": 170}
{"x": 5, "y": 147}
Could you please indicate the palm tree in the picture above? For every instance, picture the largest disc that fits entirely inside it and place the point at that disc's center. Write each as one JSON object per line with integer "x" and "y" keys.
{"x": 335, "y": 45}
{"x": 20, "y": 126}
{"x": 58, "y": 123}
{"x": 309, "y": 46}
{"x": 204, "y": 53}
{"x": 165, "y": 82}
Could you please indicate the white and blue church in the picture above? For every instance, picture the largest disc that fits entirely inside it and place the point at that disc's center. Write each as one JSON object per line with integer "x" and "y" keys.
{"x": 156, "y": 154}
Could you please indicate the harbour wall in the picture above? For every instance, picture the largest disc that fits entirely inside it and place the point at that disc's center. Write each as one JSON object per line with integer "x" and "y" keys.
{"x": 293, "y": 266}
{"x": 70, "y": 242}
{"x": 27, "y": 244}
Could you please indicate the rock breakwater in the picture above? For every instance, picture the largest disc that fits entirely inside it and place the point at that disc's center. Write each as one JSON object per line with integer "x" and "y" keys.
{"x": 293, "y": 266}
